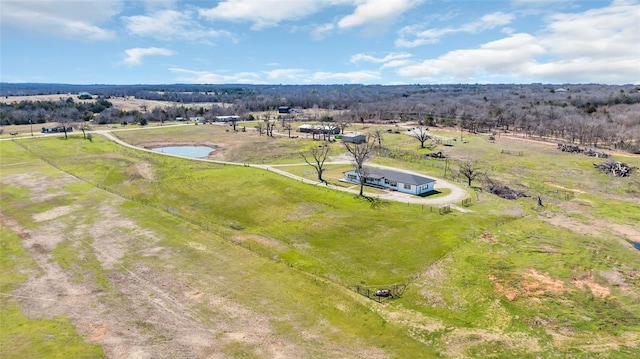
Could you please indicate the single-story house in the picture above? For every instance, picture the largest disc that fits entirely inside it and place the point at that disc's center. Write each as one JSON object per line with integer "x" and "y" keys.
{"x": 327, "y": 130}
{"x": 354, "y": 137}
{"x": 57, "y": 129}
{"x": 227, "y": 118}
{"x": 394, "y": 180}
{"x": 284, "y": 109}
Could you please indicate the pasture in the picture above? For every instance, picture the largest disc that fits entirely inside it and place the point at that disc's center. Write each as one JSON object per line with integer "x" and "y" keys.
{"x": 168, "y": 255}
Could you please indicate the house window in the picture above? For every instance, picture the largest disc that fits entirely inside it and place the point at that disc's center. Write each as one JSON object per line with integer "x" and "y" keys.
{"x": 407, "y": 186}
{"x": 352, "y": 177}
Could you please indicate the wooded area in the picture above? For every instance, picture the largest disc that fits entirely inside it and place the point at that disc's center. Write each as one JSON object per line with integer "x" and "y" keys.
{"x": 586, "y": 114}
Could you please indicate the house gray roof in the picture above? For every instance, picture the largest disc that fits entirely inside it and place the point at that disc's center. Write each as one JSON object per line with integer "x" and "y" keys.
{"x": 402, "y": 177}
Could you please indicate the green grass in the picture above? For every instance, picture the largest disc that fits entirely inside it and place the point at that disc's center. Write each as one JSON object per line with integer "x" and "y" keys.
{"x": 487, "y": 276}
{"x": 23, "y": 337}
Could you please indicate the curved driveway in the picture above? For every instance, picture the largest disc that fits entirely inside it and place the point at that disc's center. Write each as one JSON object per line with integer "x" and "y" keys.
{"x": 456, "y": 194}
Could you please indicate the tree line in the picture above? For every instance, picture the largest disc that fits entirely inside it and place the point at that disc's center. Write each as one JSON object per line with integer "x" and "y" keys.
{"x": 587, "y": 114}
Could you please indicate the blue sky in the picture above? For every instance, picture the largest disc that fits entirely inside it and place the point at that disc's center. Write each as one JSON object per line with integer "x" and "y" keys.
{"x": 319, "y": 41}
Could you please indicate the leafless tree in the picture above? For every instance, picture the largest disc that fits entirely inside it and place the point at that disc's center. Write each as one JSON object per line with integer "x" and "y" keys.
{"x": 83, "y": 126}
{"x": 318, "y": 155}
{"x": 471, "y": 170}
{"x": 421, "y": 135}
{"x": 342, "y": 122}
{"x": 360, "y": 154}
{"x": 377, "y": 135}
{"x": 260, "y": 128}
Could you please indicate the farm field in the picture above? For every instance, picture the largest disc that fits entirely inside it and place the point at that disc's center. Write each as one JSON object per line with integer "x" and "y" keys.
{"x": 140, "y": 254}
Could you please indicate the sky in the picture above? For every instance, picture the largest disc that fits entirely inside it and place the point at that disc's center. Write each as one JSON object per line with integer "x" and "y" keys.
{"x": 383, "y": 42}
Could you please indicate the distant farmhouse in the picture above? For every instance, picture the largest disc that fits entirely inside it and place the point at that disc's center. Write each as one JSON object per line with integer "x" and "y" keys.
{"x": 284, "y": 109}
{"x": 397, "y": 181}
{"x": 327, "y": 130}
{"x": 85, "y": 96}
{"x": 227, "y": 118}
{"x": 57, "y": 129}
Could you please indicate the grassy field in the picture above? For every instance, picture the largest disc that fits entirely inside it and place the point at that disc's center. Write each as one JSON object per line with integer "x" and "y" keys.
{"x": 255, "y": 264}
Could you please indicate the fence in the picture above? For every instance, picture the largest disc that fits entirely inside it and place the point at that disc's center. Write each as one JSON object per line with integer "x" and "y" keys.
{"x": 381, "y": 293}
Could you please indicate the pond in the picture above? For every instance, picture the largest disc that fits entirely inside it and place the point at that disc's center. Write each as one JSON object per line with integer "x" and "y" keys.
{"x": 186, "y": 151}
{"x": 636, "y": 245}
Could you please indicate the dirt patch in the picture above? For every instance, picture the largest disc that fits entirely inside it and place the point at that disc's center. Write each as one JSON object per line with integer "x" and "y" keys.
{"x": 52, "y": 213}
{"x": 142, "y": 307}
{"x": 563, "y": 188}
{"x": 459, "y": 341}
{"x": 532, "y": 285}
{"x": 499, "y": 287}
{"x": 488, "y": 237}
{"x": 588, "y": 282}
{"x": 600, "y": 227}
{"x": 261, "y": 240}
{"x": 41, "y": 188}
{"x": 142, "y": 170}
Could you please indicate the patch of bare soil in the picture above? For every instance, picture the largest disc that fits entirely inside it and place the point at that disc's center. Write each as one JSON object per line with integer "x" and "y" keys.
{"x": 41, "y": 188}
{"x": 531, "y": 284}
{"x": 142, "y": 170}
{"x": 489, "y": 237}
{"x": 430, "y": 281}
{"x": 588, "y": 282}
{"x": 53, "y": 213}
{"x": 599, "y": 346}
{"x": 563, "y": 188}
{"x": 459, "y": 341}
{"x": 146, "y": 309}
{"x": 625, "y": 232}
{"x": 262, "y": 240}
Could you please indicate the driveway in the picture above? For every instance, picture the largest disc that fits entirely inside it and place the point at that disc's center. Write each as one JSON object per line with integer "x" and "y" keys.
{"x": 456, "y": 194}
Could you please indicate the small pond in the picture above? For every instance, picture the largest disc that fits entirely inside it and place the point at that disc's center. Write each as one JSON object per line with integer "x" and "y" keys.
{"x": 636, "y": 245}
{"x": 186, "y": 151}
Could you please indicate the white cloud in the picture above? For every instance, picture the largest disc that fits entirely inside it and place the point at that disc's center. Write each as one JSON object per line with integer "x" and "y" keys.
{"x": 321, "y": 31}
{"x": 170, "y": 24}
{"x": 265, "y": 14}
{"x": 262, "y": 13}
{"x": 207, "y": 77}
{"x": 507, "y": 56}
{"x": 355, "y": 77}
{"x": 286, "y": 75}
{"x": 283, "y": 76}
{"x": 369, "y": 11}
{"x": 368, "y": 58}
{"x": 135, "y": 55}
{"x": 598, "y": 45}
{"x": 413, "y": 36}
{"x": 79, "y": 19}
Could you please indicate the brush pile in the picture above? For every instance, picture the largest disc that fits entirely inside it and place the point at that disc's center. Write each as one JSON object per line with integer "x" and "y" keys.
{"x": 571, "y": 148}
{"x": 615, "y": 168}
{"x": 506, "y": 192}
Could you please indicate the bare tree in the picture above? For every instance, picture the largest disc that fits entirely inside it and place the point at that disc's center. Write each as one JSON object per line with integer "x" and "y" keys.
{"x": 471, "y": 170}
{"x": 319, "y": 155}
{"x": 260, "y": 128}
{"x": 421, "y": 135}
{"x": 360, "y": 154}
{"x": 377, "y": 135}
{"x": 342, "y": 122}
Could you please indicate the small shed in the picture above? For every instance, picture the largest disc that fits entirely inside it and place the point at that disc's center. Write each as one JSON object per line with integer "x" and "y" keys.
{"x": 354, "y": 137}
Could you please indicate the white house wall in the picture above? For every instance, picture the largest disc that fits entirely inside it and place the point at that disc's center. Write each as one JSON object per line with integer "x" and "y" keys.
{"x": 414, "y": 189}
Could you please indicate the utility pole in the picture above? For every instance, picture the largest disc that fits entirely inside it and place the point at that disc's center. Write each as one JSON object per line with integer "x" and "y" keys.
{"x": 31, "y": 125}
